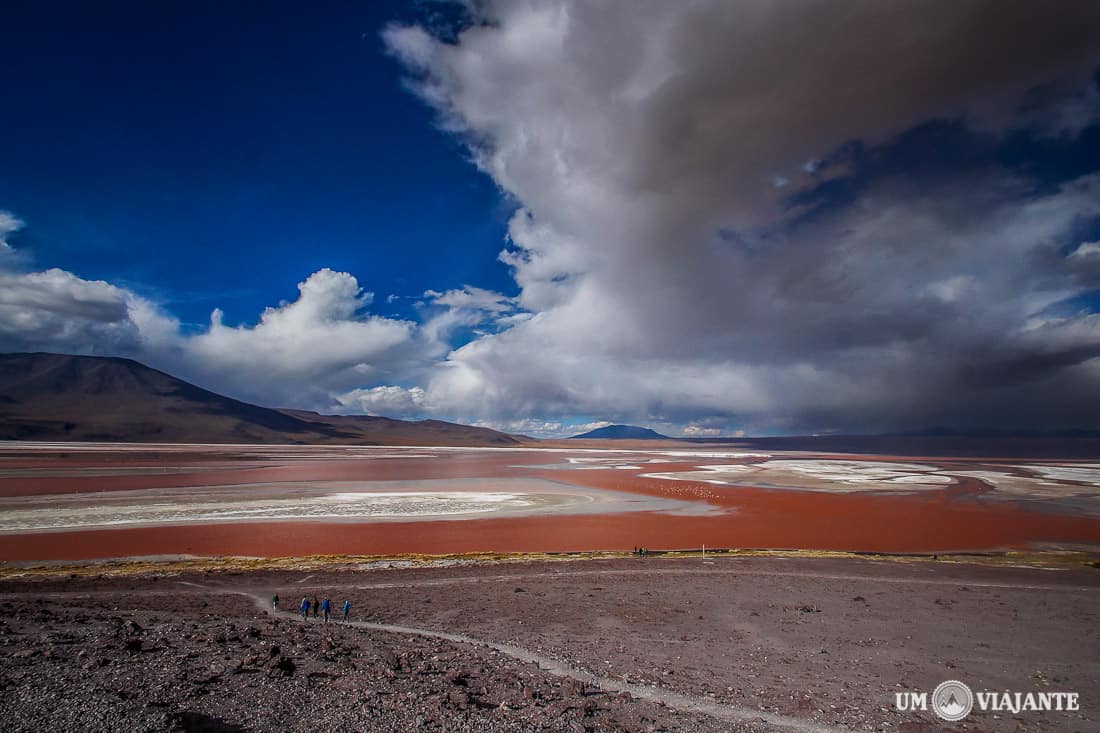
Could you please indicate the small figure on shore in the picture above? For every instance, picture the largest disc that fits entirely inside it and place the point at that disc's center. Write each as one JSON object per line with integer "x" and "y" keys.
{"x": 275, "y": 603}
{"x": 316, "y": 606}
{"x": 326, "y": 606}
{"x": 305, "y": 608}
{"x": 347, "y": 608}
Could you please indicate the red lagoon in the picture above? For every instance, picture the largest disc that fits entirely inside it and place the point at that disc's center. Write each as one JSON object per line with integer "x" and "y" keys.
{"x": 964, "y": 514}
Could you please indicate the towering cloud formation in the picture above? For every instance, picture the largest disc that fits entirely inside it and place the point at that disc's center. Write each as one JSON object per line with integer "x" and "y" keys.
{"x": 305, "y": 348}
{"x": 731, "y": 210}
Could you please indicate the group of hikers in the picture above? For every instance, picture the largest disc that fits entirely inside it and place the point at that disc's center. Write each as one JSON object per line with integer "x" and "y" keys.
{"x": 323, "y": 606}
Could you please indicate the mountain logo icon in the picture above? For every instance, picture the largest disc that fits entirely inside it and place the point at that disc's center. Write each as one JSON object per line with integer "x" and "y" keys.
{"x": 952, "y": 700}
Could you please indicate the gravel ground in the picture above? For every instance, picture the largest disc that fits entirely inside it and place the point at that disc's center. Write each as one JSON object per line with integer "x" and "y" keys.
{"x": 737, "y": 644}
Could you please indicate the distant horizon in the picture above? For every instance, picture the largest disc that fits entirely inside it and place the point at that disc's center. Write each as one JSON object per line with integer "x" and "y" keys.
{"x": 930, "y": 432}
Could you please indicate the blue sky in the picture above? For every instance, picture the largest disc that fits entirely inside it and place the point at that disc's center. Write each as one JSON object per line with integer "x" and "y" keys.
{"x": 709, "y": 218}
{"x": 213, "y": 154}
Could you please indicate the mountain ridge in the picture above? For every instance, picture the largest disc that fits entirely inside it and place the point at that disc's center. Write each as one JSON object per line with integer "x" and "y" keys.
{"x": 46, "y": 396}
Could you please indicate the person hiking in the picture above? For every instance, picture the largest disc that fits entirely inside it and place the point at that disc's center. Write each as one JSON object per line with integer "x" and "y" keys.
{"x": 305, "y": 608}
{"x": 316, "y": 606}
{"x": 326, "y": 606}
{"x": 347, "y": 608}
{"x": 275, "y": 603}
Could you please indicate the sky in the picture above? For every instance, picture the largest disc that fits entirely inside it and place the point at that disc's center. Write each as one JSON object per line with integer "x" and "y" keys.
{"x": 707, "y": 217}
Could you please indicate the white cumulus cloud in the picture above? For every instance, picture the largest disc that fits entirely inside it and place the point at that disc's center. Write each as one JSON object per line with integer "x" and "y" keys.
{"x": 315, "y": 343}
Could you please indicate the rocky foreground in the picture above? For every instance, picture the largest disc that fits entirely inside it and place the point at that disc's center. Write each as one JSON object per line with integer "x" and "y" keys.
{"x": 91, "y": 666}
{"x": 747, "y": 644}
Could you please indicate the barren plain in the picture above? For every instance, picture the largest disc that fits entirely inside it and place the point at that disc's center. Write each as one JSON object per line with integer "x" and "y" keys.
{"x": 636, "y": 644}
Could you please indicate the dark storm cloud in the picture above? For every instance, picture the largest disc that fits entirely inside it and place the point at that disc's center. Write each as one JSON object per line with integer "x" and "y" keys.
{"x": 792, "y": 79}
{"x": 800, "y": 215}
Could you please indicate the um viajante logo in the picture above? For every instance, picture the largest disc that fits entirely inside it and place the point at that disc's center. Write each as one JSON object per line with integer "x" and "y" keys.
{"x": 953, "y": 700}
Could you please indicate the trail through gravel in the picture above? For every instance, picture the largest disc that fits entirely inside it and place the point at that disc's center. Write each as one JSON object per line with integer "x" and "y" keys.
{"x": 675, "y": 700}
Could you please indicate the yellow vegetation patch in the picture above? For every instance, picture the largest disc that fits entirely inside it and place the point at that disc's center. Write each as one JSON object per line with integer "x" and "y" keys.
{"x": 171, "y": 566}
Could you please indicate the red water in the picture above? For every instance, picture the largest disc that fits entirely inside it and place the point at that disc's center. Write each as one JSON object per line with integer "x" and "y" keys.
{"x": 953, "y": 519}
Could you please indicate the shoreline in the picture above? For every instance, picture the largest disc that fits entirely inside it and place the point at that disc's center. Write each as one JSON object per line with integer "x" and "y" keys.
{"x": 159, "y": 565}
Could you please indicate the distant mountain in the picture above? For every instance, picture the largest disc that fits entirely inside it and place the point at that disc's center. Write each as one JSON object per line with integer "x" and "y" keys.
{"x": 995, "y": 433}
{"x": 1074, "y": 444}
{"x": 621, "y": 432}
{"x": 91, "y": 398}
{"x": 388, "y": 431}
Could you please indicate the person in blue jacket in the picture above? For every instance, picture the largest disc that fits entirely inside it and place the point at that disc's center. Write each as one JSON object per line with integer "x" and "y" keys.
{"x": 347, "y": 608}
{"x": 326, "y": 607}
{"x": 305, "y": 608}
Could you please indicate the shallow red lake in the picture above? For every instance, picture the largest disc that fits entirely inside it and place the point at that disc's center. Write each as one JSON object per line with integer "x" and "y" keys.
{"x": 82, "y": 502}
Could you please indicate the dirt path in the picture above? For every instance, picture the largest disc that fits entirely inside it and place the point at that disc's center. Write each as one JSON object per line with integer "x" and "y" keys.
{"x": 674, "y": 700}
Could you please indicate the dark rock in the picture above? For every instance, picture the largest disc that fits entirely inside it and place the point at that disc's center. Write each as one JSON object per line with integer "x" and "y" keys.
{"x": 284, "y": 665}
{"x": 391, "y": 660}
{"x": 192, "y": 722}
